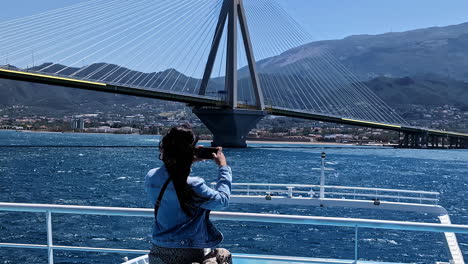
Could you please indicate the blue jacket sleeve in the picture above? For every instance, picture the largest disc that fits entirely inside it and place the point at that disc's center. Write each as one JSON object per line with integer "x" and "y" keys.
{"x": 150, "y": 187}
{"x": 219, "y": 197}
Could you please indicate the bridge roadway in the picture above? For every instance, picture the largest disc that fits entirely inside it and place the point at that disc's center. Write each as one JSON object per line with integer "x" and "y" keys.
{"x": 197, "y": 100}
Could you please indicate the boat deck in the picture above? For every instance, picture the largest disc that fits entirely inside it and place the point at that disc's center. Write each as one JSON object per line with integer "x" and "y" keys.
{"x": 266, "y": 259}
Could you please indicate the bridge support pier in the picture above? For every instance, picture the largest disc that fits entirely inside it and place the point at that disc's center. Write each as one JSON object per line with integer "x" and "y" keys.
{"x": 230, "y": 127}
{"x": 464, "y": 143}
{"x": 417, "y": 140}
{"x": 425, "y": 140}
{"x": 433, "y": 141}
{"x": 404, "y": 143}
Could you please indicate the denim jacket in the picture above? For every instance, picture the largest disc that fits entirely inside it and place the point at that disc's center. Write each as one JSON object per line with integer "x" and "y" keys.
{"x": 173, "y": 228}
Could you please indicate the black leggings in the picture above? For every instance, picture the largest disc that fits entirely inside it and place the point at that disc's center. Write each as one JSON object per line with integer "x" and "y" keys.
{"x": 160, "y": 255}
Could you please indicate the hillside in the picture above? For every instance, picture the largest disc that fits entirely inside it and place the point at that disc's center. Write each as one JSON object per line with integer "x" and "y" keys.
{"x": 437, "y": 50}
{"x": 60, "y": 100}
{"x": 56, "y": 101}
{"x": 421, "y": 90}
{"x": 53, "y": 98}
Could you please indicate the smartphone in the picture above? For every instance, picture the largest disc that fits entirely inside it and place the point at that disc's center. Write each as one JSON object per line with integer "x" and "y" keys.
{"x": 205, "y": 152}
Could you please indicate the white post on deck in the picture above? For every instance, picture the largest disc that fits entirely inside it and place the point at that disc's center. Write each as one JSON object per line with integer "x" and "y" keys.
{"x": 50, "y": 250}
{"x": 322, "y": 177}
{"x": 355, "y": 245}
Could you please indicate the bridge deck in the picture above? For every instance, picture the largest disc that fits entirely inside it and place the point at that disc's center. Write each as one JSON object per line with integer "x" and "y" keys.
{"x": 354, "y": 122}
{"x": 205, "y": 101}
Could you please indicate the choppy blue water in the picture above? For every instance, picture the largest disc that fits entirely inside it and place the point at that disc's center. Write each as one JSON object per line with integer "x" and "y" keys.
{"x": 113, "y": 176}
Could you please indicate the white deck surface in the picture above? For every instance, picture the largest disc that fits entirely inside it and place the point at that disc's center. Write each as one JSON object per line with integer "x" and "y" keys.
{"x": 266, "y": 259}
{"x": 452, "y": 242}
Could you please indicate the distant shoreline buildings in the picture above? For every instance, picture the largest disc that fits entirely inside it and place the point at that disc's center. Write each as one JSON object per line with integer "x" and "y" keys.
{"x": 146, "y": 119}
{"x": 78, "y": 124}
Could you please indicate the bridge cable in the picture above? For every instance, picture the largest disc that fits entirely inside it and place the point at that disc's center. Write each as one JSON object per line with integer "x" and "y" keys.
{"x": 119, "y": 79}
{"x": 324, "y": 73}
{"x": 49, "y": 35}
{"x": 296, "y": 26}
{"x": 162, "y": 55}
{"x": 101, "y": 32}
{"x": 121, "y": 33}
{"x": 273, "y": 40}
{"x": 331, "y": 87}
{"x": 346, "y": 90}
{"x": 174, "y": 56}
{"x": 203, "y": 35}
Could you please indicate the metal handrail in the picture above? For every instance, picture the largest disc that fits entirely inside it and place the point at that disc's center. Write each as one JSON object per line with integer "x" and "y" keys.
{"x": 225, "y": 216}
{"x": 313, "y": 191}
{"x": 335, "y": 187}
{"x": 338, "y": 193}
{"x": 385, "y": 196}
{"x": 248, "y": 217}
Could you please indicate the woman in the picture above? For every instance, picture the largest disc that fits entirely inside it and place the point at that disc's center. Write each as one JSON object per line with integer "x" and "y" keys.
{"x": 182, "y": 231}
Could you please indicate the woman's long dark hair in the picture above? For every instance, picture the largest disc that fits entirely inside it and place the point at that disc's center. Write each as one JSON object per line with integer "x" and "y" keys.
{"x": 177, "y": 149}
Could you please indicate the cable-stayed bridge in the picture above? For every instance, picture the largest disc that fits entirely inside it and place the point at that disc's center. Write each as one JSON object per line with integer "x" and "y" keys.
{"x": 233, "y": 61}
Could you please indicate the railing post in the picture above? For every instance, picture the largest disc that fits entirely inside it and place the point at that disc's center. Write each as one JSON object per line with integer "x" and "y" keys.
{"x": 50, "y": 250}
{"x": 322, "y": 177}
{"x": 355, "y": 244}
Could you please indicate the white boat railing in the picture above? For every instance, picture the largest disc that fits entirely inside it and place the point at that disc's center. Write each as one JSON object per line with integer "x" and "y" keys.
{"x": 355, "y": 223}
{"x": 340, "y": 192}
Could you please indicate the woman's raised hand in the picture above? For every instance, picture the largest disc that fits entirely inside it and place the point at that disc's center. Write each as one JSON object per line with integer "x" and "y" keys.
{"x": 219, "y": 157}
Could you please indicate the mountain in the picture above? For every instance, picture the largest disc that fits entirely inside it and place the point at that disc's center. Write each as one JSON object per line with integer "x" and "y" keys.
{"x": 421, "y": 90}
{"x": 437, "y": 50}
{"x": 44, "y": 99}
{"x": 114, "y": 73}
{"x": 52, "y": 98}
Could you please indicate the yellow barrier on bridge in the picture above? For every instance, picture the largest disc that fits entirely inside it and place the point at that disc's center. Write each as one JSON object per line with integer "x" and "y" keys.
{"x": 53, "y": 77}
{"x": 457, "y": 134}
{"x": 370, "y": 123}
{"x": 449, "y": 133}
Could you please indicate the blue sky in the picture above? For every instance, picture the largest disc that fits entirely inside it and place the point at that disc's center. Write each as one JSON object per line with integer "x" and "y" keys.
{"x": 330, "y": 19}
{"x": 324, "y": 19}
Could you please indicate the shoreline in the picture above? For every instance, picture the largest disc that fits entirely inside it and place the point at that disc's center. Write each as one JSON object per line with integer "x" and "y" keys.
{"x": 67, "y": 132}
{"x": 298, "y": 143}
{"x": 279, "y": 142}
{"x": 284, "y": 142}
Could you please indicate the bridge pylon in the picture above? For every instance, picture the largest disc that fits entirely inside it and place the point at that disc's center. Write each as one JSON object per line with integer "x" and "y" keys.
{"x": 230, "y": 124}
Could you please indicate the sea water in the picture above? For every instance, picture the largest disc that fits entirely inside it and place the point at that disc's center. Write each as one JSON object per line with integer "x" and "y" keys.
{"x": 109, "y": 170}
